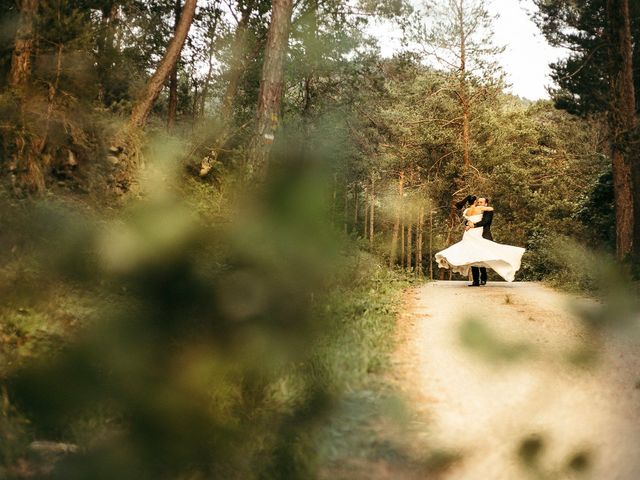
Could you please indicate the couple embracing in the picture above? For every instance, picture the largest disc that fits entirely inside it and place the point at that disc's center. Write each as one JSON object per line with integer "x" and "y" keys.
{"x": 477, "y": 250}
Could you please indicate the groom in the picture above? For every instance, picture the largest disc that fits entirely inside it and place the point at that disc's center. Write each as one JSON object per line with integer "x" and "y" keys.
{"x": 479, "y": 274}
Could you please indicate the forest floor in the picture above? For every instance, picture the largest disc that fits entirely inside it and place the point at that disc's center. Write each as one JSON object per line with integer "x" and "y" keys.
{"x": 506, "y": 382}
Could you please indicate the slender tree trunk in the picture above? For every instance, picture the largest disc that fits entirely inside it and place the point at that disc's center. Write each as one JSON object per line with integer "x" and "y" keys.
{"x": 239, "y": 54}
{"x": 238, "y": 61}
{"x": 463, "y": 96}
{"x": 119, "y": 33}
{"x": 334, "y": 200}
{"x": 105, "y": 48}
{"x": 419, "y": 230}
{"x": 271, "y": 86}
{"x": 451, "y": 221}
{"x": 431, "y": 244}
{"x": 409, "y": 242}
{"x": 356, "y": 195}
{"x": 345, "y": 214}
{"x": 396, "y": 225}
{"x": 366, "y": 211}
{"x": 172, "y": 109}
{"x": 145, "y": 102}
{"x": 207, "y": 80}
{"x": 466, "y": 137}
{"x": 372, "y": 210}
{"x": 402, "y": 245}
{"x": 451, "y": 224}
{"x": 311, "y": 49}
{"x": 195, "y": 103}
{"x": 20, "y": 71}
{"x": 622, "y": 123}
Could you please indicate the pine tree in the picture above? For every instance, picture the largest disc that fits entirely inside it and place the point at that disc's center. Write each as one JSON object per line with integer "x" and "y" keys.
{"x": 271, "y": 87}
{"x": 598, "y": 77}
{"x": 457, "y": 35}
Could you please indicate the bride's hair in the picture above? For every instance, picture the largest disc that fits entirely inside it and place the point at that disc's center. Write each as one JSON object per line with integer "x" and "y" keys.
{"x": 469, "y": 200}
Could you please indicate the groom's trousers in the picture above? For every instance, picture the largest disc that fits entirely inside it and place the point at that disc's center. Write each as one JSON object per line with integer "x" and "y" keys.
{"x": 479, "y": 274}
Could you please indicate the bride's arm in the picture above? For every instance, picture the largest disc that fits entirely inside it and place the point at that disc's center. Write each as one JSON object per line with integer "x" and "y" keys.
{"x": 486, "y": 209}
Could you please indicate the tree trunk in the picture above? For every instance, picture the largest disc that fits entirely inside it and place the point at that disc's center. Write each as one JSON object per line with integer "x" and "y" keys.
{"x": 207, "y": 80}
{"x": 462, "y": 94}
{"x": 396, "y": 225}
{"x": 239, "y": 53}
{"x": 356, "y": 195}
{"x": 402, "y": 245}
{"x": 466, "y": 136}
{"x": 451, "y": 224}
{"x": 419, "y": 228}
{"x": 195, "y": 103}
{"x": 334, "y": 199}
{"x": 271, "y": 86}
{"x": 172, "y": 108}
{"x": 345, "y": 214}
{"x": 372, "y": 210}
{"x": 21, "y": 57}
{"x": 622, "y": 125}
{"x": 311, "y": 64}
{"x": 366, "y": 211}
{"x": 105, "y": 48}
{"x": 431, "y": 244}
{"x": 238, "y": 65}
{"x": 409, "y": 242}
{"x": 143, "y": 106}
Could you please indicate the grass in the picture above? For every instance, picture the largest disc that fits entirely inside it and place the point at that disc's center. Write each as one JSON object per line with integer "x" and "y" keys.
{"x": 356, "y": 353}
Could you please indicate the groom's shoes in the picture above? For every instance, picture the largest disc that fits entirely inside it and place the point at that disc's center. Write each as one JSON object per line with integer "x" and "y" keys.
{"x": 483, "y": 282}
{"x": 474, "y": 284}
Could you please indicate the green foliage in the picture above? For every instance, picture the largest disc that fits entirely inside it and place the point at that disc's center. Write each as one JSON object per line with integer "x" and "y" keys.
{"x": 209, "y": 349}
{"x": 582, "y": 82}
{"x": 539, "y": 166}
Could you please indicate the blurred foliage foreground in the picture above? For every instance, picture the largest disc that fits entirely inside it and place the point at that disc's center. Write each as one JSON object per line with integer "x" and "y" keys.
{"x": 157, "y": 343}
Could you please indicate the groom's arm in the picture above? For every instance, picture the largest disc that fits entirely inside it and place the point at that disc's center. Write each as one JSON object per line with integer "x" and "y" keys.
{"x": 487, "y": 218}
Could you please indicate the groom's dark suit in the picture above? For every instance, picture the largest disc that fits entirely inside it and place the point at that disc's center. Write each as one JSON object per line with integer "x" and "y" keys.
{"x": 480, "y": 273}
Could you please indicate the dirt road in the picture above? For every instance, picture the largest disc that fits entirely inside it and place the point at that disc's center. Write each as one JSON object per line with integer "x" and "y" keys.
{"x": 475, "y": 402}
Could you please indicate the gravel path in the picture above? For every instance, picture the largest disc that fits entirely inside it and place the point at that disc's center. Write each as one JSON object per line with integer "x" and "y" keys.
{"x": 484, "y": 409}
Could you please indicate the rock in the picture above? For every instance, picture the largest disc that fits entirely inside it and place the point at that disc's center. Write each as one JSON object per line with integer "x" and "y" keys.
{"x": 43, "y": 446}
{"x": 72, "y": 160}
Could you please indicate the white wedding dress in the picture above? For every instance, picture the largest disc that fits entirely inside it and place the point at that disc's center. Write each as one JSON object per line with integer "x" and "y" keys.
{"x": 475, "y": 251}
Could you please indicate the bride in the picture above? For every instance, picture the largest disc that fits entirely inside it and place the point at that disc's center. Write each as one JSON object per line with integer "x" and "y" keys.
{"x": 475, "y": 251}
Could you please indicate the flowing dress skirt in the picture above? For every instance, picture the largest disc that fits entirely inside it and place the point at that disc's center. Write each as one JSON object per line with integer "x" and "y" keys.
{"x": 475, "y": 251}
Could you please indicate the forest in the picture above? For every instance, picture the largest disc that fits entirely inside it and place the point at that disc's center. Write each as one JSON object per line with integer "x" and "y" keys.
{"x": 210, "y": 210}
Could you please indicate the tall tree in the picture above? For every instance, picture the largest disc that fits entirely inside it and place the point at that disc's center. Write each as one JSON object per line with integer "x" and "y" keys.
{"x": 458, "y": 36}
{"x": 271, "y": 86}
{"x": 172, "y": 107}
{"x": 622, "y": 119}
{"x": 238, "y": 56}
{"x": 211, "y": 29}
{"x": 23, "y": 51}
{"x": 598, "y": 77}
{"x": 145, "y": 102}
{"x": 105, "y": 51}
{"x": 582, "y": 77}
